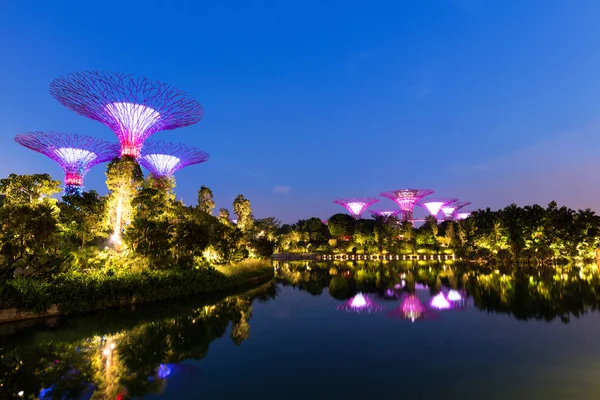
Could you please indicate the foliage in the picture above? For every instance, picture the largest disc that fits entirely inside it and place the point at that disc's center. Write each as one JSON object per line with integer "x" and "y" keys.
{"x": 205, "y": 200}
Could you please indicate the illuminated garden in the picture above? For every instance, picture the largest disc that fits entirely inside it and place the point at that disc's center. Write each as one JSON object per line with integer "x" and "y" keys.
{"x": 129, "y": 294}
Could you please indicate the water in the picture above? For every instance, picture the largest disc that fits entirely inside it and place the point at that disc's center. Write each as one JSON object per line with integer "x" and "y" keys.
{"x": 307, "y": 335}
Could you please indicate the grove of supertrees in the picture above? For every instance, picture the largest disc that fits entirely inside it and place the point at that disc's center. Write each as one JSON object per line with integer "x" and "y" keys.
{"x": 356, "y": 205}
{"x": 76, "y": 154}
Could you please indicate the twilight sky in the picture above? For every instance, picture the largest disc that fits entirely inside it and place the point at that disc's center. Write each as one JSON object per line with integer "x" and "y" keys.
{"x": 485, "y": 100}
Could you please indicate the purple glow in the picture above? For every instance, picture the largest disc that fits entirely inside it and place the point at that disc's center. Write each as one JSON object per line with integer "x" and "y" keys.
{"x": 454, "y": 295}
{"x": 440, "y": 302}
{"x": 165, "y": 158}
{"x": 406, "y": 199}
{"x": 133, "y": 107}
{"x": 356, "y": 206}
{"x": 420, "y": 286}
{"x": 76, "y": 154}
{"x": 359, "y": 303}
{"x": 450, "y": 210}
{"x": 164, "y": 370}
{"x": 435, "y": 205}
{"x": 385, "y": 213}
{"x": 412, "y": 308}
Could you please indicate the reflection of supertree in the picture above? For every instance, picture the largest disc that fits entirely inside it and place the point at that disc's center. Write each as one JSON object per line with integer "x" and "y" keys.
{"x": 451, "y": 209}
{"x": 356, "y": 205}
{"x": 133, "y": 107}
{"x": 164, "y": 158}
{"x": 440, "y": 302}
{"x": 76, "y": 154}
{"x": 385, "y": 213}
{"x": 406, "y": 199}
{"x": 412, "y": 308}
{"x": 359, "y": 303}
{"x": 463, "y": 215}
{"x": 435, "y": 205}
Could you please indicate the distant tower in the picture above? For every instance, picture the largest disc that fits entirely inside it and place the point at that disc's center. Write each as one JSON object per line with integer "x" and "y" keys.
{"x": 435, "y": 205}
{"x": 406, "y": 199}
{"x": 76, "y": 154}
{"x": 165, "y": 158}
{"x": 356, "y": 205}
{"x": 133, "y": 107}
{"x": 385, "y": 213}
{"x": 451, "y": 209}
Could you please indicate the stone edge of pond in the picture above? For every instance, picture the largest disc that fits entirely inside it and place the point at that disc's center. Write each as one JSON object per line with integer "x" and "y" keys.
{"x": 9, "y": 315}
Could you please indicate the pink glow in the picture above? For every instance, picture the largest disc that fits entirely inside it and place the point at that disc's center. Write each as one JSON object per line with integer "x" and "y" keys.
{"x": 133, "y": 123}
{"x": 440, "y": 302}
{"x": 356, "y": 206}
{"x": 73, "y": 179}
{"x": 359, "y": 303}
{"x": 412, "y": 308}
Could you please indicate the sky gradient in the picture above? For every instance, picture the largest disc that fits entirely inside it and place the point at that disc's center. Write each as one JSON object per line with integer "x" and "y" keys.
{"x": 489, "y": 101}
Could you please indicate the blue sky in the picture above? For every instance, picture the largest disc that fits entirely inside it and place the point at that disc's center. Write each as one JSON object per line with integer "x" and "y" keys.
{"x": 489, "y": 101}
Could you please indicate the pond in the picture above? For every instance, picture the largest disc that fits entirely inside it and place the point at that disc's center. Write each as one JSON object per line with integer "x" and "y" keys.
{"x": 329, "y": 330}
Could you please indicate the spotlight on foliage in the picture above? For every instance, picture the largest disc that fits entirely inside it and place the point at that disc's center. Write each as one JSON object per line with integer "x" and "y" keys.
{"x": 406, "y": 199}
{"x": 163, "y": 159}
{"x": 76, "y": 154}
{"x": 434, "y": 206}
{"x": 133, "y": 107}
{"x": 356, "y": 205}
{"x": 450, "y": 210}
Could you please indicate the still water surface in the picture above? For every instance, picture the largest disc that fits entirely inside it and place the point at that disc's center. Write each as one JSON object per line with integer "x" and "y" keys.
{"x": 307, "y": 335}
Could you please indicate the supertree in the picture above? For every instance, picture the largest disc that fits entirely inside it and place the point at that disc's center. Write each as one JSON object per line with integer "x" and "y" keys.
{"x": 406, "y": 199}
{"x": 163, "y": 159}
{"x": 133, "y": 107}
{"x": 435, "y": 205}
{"x": 359, "y": 303}
{"x": 76, "y": 154}
{"x": 385, "y": 213}
{"x": 449, "y": 210}
{"x": 356, "y": 205}
{"x": 463, "y": 215}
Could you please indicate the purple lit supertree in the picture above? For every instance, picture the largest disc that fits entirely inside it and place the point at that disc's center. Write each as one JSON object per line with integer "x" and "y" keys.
{"x": 449, "y": 210}
{"x": 356, "y": 205}
{"x": 164, "y": 158}
{"x": 359, "y": 303}
{"x": 76, "y": 154}
{"x": 385, "y": 213}
{"x": 133, "y": 107}
{"x": 435, "y": 205}
{"x": 406, "y": 199}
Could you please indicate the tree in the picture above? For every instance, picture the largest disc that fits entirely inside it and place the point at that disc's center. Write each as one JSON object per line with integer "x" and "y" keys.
{"x": 341, "y": 226}
{"x": 123, "y": 178}
{"x": 205, "y": 200}
{"x": 28, "y": 189}
{"x": 83, "y": 217}
{"x": 243, "y": 211}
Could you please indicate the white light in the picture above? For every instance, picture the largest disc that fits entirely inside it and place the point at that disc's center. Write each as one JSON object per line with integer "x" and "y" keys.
{"x": 358, "y": 301}
{"x": 453, "y": 295}
{"x": 356, "y": 207}
{"x": 162, "y": 164}
{"x": 133, "y": 118}
{"x": 434, "y": 206}
{"x": 463, "y": 215}
{"x": 439, "y": 301}
{"x": 75, "y": 156}
{"x": 448, "y": 210}
{"x": 106, "y": 352}
{"x": 21, "y": 393}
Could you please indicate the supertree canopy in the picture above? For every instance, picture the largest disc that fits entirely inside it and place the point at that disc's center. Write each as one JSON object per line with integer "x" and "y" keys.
{"x": 449, "y": 210}
{"x": 385, "y": 213}
{"x": 356, "y": 205}
{"x": 406, "y": 199}
{"x": 76, "y": 154}
{"x": 435, "y": 205}
{"x": 164, "y": 158}
{"x": 133, "y": 107}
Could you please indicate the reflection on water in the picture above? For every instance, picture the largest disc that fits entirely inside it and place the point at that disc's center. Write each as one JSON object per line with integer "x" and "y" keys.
{"x": 124, "y": 354}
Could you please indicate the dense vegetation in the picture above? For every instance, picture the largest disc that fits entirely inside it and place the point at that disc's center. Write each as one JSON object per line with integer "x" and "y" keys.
{"x": 513, "y": 235}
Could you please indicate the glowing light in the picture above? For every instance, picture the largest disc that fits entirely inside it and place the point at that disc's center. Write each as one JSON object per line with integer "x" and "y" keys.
{"x": 463, "y": 215}
{"x": 412, "y": 308}
{"x": 106, "y": 352}
{"x": 359, "y": 303}
{"x": 406, "y": 199}
{"x": 162, "y": 164}
{"x": 356, "y": 206}
{"x": 164, "y": 370}
{"x": 454, "y": 295}
{"x": 21, "y": 393}
{"x": 134, "y": 123}
{"x": 440, "y": 302}
{"x": 434, "y": 206}
{"x": 448, "y": 211}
